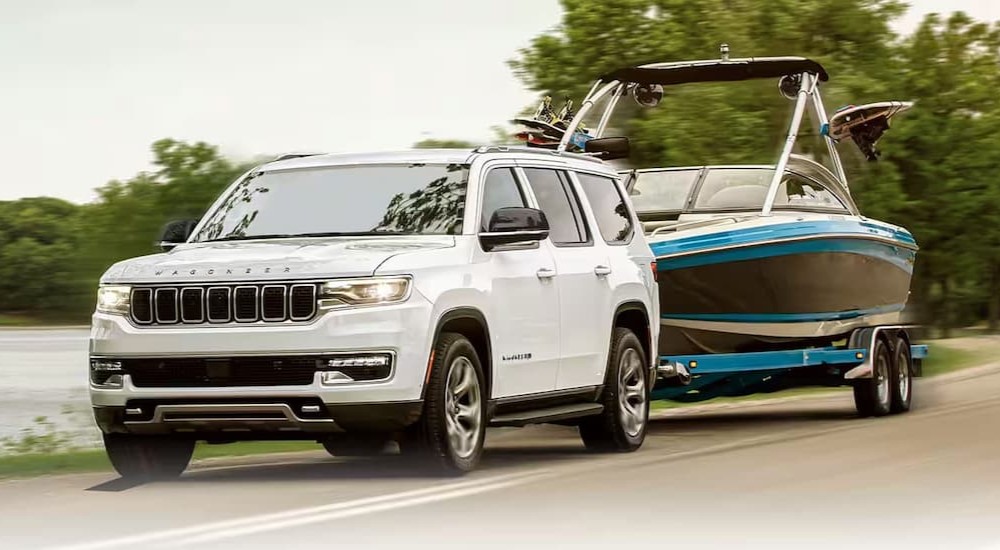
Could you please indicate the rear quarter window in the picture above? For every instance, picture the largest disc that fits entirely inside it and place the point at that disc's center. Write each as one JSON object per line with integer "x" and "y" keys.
{"x": 609, "y": 207}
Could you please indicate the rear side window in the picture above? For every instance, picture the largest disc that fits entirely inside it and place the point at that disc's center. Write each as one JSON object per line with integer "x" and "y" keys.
{"x": 561, "y": 206}
{"x": 500, "y": 190}
{"x": 609, "y": 207}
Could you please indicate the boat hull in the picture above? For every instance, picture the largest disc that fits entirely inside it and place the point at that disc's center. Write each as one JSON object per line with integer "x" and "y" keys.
{"x": 779, "y": 293}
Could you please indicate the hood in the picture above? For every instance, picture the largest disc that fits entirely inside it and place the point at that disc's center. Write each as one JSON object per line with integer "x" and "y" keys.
{"x": 280, "y": 259}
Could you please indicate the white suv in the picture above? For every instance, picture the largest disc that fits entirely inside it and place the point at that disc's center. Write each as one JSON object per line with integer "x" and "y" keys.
{"x": 359, "y": 299}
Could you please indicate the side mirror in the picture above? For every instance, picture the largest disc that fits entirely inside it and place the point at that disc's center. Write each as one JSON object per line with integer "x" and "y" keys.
{"x": 175, "y": 233}
{"x": 514, "y": 225}
{"x": 609, "y": 148}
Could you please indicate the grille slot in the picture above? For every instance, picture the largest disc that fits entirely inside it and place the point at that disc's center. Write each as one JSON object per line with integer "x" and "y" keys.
{"x": 245, "y": 303}
{"x": 273, "y": 303}
{"x": 166, "y": 305}
{"x": 142, "y": 305}
{"x": 219, "y": 307}
{"x": 193, "y": 305}
{"x": 303, "y": 302}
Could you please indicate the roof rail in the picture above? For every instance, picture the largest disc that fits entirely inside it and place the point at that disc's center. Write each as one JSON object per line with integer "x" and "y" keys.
{"x": 535, "y": 151}
{"x": 287, "y": 156}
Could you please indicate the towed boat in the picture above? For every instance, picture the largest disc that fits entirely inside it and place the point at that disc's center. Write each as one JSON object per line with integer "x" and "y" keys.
{"x": 761, "y": 257}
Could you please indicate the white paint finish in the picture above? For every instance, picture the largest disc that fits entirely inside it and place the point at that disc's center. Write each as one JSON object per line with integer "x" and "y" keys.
{"x": 523, "y": 314}
{"x": 585, "y": 311}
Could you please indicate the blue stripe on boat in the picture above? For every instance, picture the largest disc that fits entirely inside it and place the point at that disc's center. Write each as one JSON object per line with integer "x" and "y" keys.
{"x": 901, "y": 257}
{"x": 783, "y": 231}
{"x": 783, "y": 317}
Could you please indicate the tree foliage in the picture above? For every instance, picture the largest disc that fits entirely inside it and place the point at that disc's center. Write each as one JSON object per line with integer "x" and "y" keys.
{"x": 936, "y": 177}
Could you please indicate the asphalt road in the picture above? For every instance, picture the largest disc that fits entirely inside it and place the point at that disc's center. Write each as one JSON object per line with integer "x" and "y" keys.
{"x": 800, "y": 474}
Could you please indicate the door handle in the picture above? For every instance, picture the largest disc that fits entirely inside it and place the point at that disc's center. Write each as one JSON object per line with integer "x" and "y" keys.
{"x": 602, "y": 271}
{"x": 545, "y": 273}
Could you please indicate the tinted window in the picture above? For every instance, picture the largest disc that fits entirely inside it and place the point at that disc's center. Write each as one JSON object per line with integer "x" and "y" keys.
{"x": 662, "y": 191}
{"x": 560, "y": 204}
{"x": 609, "y": 207}
{"x": 372, "y": 199}
{"x": 500, "y": 190}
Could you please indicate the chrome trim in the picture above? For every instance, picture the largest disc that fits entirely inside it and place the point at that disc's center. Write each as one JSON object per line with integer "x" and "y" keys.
{"x": 162, "y": 412}
{"x": 285, "y": 302}
{"x": 202, "y": 300}
{"x": 229, "y": 304}
{"x": 314, "y": 301}
{"x": 255, "y": 301}
{"x": 156, "y": 305}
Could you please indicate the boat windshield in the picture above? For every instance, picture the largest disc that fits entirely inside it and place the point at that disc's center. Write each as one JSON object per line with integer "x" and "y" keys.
{"x": 728, "y": 189}
{"x": 663, "y": 191}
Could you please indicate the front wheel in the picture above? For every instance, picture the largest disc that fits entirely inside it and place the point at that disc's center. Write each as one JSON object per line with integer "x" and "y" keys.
{"x": 148, "y": 457}
{"x": 621, "y": 427}
{"x": 452, "y": 428}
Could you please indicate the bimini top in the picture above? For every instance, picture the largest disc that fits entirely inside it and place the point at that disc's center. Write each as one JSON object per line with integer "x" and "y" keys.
{"x": 717, "y": 70}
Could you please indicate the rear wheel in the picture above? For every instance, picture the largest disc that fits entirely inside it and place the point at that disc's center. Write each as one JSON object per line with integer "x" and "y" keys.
{"x": 873, "y": 396}
{"x": 621, "y": 427}
{"x": 452, "y": 428}
{"x": 902, "y": 379}
{"x": 148, "y": 457}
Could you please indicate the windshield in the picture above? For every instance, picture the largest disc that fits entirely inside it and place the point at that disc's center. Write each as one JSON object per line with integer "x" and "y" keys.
{"x": 662, "y": 190}
{"x": 417, "y": 199}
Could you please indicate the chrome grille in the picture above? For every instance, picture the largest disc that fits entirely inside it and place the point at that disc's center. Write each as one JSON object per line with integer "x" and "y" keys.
{"x": 244, "y": 303}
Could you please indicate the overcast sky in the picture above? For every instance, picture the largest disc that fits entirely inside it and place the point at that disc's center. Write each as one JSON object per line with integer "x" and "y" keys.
{"x": 86, "y": 85}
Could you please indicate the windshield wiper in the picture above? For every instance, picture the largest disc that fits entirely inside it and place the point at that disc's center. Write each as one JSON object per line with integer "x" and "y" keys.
{"x": 305, "y": 235}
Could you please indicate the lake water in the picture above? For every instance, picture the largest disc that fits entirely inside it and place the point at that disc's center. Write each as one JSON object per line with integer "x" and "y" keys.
{"x": 44, "y": 373}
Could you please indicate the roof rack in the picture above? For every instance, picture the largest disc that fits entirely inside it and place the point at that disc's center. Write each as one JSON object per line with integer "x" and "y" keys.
{"x": 535, "y": 151}
{"x": 287, "y": 156}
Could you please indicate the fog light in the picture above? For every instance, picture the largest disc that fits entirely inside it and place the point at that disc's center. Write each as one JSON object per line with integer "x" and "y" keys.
{"x": 381, "y": 360}
{"x": 356, "y": 368}
{"x": 106, "y": 374}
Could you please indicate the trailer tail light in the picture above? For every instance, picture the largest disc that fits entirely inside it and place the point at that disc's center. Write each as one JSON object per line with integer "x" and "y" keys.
{"x": 652, "y": 267}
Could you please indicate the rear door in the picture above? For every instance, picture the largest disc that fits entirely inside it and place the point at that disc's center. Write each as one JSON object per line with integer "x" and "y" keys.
{"x": 582, "y": 267}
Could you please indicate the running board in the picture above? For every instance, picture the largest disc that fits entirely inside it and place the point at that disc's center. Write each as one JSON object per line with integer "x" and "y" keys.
{"x": 551, "y": 414}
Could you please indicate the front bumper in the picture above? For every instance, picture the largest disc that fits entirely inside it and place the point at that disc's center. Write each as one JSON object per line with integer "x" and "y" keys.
{"x": 402, "y": 329}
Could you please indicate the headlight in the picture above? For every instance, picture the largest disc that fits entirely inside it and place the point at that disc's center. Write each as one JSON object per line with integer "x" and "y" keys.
{"x": 364, "y": 292}
{"x": 113, "y": 299}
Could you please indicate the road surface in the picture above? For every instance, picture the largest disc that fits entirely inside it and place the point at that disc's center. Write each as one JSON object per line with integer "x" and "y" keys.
{"x": 800, "y": 474}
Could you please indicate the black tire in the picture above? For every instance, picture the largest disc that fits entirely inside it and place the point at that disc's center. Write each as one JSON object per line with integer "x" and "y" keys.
{"x": 902, "y": 377}
{"x": 873, "y": 396}
{"x": 620, "y": 427}
{"x": 344, "y": 445}
{"x": 431, "y": 440}
{"x": 148, "y": 457}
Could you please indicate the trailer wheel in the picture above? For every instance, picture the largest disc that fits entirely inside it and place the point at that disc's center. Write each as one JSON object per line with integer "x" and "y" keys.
{"x": 873, "y": 396}
{"x": 902, "y": 377}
